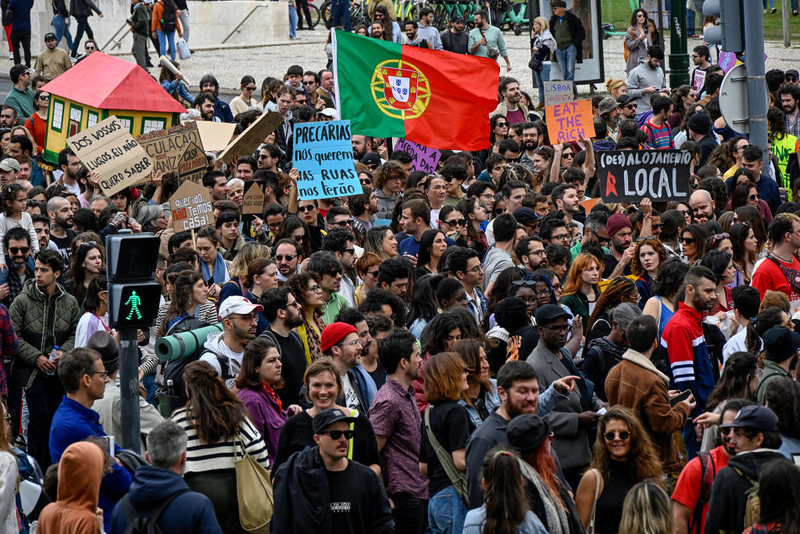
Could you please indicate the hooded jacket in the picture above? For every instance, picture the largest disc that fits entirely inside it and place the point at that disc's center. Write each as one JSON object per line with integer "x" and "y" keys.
{"x": 728, "y": 501}
{"x": 79, "y": 474}
{"x": 41, "y": 323}
{"x": 220, "y": 356}
{"x": 188, "y": 512}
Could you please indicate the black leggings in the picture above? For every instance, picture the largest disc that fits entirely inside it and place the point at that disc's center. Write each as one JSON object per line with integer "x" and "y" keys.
{"x": 302, "y": 8}
{"x": 21, "y": 37}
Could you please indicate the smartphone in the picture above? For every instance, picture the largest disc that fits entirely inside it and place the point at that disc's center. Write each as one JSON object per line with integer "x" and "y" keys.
{"x": 680, "y": 397}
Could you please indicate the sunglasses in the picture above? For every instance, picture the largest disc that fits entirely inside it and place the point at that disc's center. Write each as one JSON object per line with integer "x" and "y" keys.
{"x": 373, "y": 273}
{"x": 630, "y": 106}
{"x": 366, "y": 181}
{"x": 526, "y": 283}
{"x": 337, "y": 434}
{"x": 287, "y": 257}
{"x": 623, "y": 435}
{"x": 19, "y": 250}
{"x": 687, "y": 240}
{"x": 567, "y": 155}
{"x": 333, "y": 272}
{"x": 754, "y": 197}
{"x": 306, "y": 208}
{"x": 309, "y": 83}
{"x": 253, "y": 88}
{"x": 791, "y": 79}
{"x": 342, "y": 224}
{"x": 42, "y": 97}
{"x": 502, "y": 124}
{"x": 456, "y": 222}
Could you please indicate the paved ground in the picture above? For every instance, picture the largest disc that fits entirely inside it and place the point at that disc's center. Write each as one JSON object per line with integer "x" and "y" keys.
{"x": 231, "y": 63}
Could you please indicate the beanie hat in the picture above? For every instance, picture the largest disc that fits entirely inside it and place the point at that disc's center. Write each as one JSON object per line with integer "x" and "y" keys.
{"x": 699, "y": 123}
{"x": 334, "y": 333}
{"x": 617, "y": 222}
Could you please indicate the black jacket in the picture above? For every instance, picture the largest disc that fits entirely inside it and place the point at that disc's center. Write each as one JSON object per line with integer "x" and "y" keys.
{"x": 577, "y": 29}
{"x": 728, "y": 494}
{"x": 83, "y": 8}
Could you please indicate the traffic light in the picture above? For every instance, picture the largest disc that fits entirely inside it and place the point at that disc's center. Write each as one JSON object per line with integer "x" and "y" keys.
{"x": 133, "y": 294}
{"x": 730, "y": 32}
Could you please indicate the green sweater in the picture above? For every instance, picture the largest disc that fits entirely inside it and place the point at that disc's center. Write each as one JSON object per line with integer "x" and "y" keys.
{"x": 139, "y": 19}
{"x": 21, "y": 101}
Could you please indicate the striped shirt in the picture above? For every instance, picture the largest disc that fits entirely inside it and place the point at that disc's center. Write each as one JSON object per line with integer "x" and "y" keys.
{"x": 202, "y": 457}
{"x": 659, "y": 138}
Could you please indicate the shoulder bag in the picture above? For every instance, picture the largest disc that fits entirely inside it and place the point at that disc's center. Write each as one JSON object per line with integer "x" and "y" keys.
{"x": 253, "y": 491}
{"x": 591, "y": 529}
{"x": 456, "y": 476}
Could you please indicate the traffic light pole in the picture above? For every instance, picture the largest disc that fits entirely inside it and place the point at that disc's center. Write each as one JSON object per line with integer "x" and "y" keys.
{"x": 129, "y": 389}
{"x": 757, "y": 97}
{"x": 678, "y": 53}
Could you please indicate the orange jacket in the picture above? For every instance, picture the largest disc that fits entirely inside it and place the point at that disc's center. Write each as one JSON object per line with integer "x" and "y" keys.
{"x": 155, "y": 22}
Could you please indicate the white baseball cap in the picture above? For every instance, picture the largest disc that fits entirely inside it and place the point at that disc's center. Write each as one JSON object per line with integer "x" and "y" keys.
{"x": 237, "y": 305}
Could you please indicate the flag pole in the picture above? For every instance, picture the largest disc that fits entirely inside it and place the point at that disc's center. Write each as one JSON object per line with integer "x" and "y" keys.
{"x": 336, "y": 75}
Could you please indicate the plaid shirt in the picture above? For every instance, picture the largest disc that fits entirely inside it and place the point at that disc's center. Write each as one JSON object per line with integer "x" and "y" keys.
{"x": 9, "y": 347}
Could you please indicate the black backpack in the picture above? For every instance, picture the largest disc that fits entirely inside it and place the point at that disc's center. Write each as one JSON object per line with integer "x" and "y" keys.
{"x": 146, "y": 525}
{"x": 169, "y": 17}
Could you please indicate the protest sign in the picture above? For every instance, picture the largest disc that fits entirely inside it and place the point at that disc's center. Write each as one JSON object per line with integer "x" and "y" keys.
{"x": 570, "y": 121}
{"x": 252, "y": 137}
{"x": 558, "y": 92}
{"x": 192, "y": 164}
{"x": 215, "y": 135}
{"x": 191, "y": 207}
{"x": 165, "y": 147}
{"x": 699, "y": 79}
{"x": 422, "y": 158}
{"x": 631, "y": 175}
{"x": 253, "y": 203}
{"x": 323, "y": 154}
{"x": 108, "y": 148}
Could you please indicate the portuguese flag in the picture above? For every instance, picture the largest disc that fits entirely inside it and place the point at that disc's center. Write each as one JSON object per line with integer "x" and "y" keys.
{"x": 437, "y": 99}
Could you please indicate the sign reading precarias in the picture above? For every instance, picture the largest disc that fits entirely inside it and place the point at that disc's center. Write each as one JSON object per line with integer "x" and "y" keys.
{"x": 323, "y": 154}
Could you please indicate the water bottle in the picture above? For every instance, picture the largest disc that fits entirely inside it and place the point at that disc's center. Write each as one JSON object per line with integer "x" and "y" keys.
{"x": 52, "y": 358}
{"x": 170, "y": 388}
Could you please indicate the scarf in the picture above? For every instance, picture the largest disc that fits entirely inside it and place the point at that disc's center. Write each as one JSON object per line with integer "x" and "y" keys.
{"x": 274, "y": 396}
{"x": 643, "y": 361}
{"x": 220, "y": 270}
{"x": 555, "y": 516}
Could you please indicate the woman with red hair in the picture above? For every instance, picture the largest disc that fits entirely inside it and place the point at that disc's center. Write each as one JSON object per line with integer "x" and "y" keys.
{"x": 579, "y": 292}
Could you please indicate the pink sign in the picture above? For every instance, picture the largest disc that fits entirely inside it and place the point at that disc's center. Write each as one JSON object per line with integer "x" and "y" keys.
{"x": 727, "y": 60}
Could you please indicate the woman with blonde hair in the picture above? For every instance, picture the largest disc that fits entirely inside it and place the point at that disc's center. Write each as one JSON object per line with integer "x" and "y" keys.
{"x": 647, "y": 509}
{"x": 616, "y": 87}
{"x": 623, "y": 456}
{"x": 543, "y": 44}
{"x": 238, "y": 270}
{"x": 381, "y": 242}
{"x": 579, "y": 292}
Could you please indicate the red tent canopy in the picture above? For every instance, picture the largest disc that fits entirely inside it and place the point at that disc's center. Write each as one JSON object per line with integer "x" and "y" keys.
{"x": 107, "y": 82}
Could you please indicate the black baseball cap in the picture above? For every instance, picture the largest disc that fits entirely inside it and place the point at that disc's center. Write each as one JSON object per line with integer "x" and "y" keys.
{"x": 326, "y": 418}
{"x": 624, "y": 99}
{"x": 755, "y": 416}
{"x": 550, "y": 312}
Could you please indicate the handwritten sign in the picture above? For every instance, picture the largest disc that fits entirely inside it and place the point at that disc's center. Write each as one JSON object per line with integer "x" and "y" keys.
{"x": 630, "y": 175}
{"x": 570, "y": 121}
{"x": 165, "y": 147}
{"x": 191, "y": 207}
{"x": 323, "y": 153}
{"x": 215, "y": 135}
{"x": 192, "y": 164}
{"x": 253, "y": 203}
{"x": 252, "y": 137}
{"x": 558, "y": 92}
{"x": 422, "y": 158}
{"x": 108, "y": 148}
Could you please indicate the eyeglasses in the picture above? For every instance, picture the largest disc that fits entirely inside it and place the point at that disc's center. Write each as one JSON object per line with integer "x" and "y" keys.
{"x": 306, "y": 208}
{"x": 337, "y": 434}
{"x": 287, "y": 257}
{"x": 294, "y": 304}
{"x": 315, "y": 289}
{"x": 456, "y": 222}
{"x": 742, "y": 147}
{"x": 560, "y": 236}
{"x": 600, "y": 239}
{"x": 90, "y": 48}
{"x": 351, "y": 344}
{"x": 101, "y": 373}
{"x": 754, "y": 197}
{"x": 19, "y": 250}
{"x": 476, "y": 269}
{"x": 395, "y": 177}
{"x": 687, "y": 240}
{"x": 557, "y": 329}
{"x": 623, "y": 435}
{"x": 529, "y": 300}
{"x": 263, "y": 156}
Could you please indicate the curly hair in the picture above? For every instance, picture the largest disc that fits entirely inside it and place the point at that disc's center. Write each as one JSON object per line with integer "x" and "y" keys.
{"x": 249, "y": 252}
{"x": 211, "y": 408}
{"x": 300, "y": 284}
{"x": 636, "y": 265}
{"x": 643, "y": 458}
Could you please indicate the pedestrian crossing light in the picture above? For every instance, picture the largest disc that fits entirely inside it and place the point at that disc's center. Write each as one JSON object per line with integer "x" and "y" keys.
{"x": 133, "y": 294}
{"x": 730, "y": 32}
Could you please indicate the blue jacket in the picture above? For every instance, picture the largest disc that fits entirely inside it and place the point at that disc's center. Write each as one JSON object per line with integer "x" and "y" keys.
{"x": 188, "y": 512}
{"x": 74, "y": 422}
{"x": 22, "y": 14}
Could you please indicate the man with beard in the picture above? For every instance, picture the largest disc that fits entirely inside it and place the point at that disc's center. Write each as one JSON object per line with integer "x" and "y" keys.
{"x": 647, "y": 78}
{"x": 454, "y": 39}
{"x": 70, "y": 165}
{"x": 618, "y": 261}
{"x": 288, "y": 257}
{"x": 530, "y": 253}
{"x": 594, "y": 232}
{"x": 361, "y": 145}
{"x": 282, "y": 311}
{"x": 781, "y": 345}
{"x": 224, "y": 351}
{"x": 627, "y": 108}
{"x": 789, "y": 94}
{"x": 60, "y": 212}
{"x": 690, "y": 498}
{"x": 609, "y": 110}
{"x": 518, "y": 389}
{"x": 216, "y": 184}
{"x": 17, "y": 243}
{"x": 511, "y": 103}
{"x": 530, "y": 142}
{"x": 565, "y": 197}
{"x": 413, "y": 38}
{"x": 341, "y": 342}
{"x": 377, "y": 30}
{"x": 8, "y": 117}
{"x": 356, "y": 318}
{"x": 397, "y": 425}
{"x": 222, "y": 111}
{"x": 775, "y": 273}
{"x": 572, "y": 419}
{"x": 702, "y": 205}
{"x": 204, "y": 103}
{"x": 684, "y": 346}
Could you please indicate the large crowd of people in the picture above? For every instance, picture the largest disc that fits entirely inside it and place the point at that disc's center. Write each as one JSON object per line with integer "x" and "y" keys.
{"x": 487, "y": 348}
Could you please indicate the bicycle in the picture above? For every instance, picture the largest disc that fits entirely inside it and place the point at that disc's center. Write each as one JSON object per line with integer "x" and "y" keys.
{"x": 315, "y": 16}
{"x": 358, "y": 14}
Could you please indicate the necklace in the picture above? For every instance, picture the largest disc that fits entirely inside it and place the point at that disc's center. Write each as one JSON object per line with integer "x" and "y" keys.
{"x": 783, "y": 260}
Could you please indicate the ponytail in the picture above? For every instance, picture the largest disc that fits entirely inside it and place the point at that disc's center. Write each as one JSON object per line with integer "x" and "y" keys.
{"x": 506, "y": 504}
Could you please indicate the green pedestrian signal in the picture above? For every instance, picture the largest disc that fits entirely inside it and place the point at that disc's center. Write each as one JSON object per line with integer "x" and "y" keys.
{"x": 134, "y": 302}
{"x": 133, "y": 294}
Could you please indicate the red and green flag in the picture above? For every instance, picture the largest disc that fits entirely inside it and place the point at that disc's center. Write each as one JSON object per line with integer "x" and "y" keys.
{"x": 437, "y": 99}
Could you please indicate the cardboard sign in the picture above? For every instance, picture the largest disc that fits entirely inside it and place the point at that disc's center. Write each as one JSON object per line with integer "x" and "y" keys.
{"x": 191, "y": 207}
{"x": 165, "y": 147}
{"x": 558, "y": 92}
{"x": 630, "y": 175}
{"x": 570, "y": 121}
{"x": 252, "y": 137}
{"x": 422, "y": 158}
{"x": 253, "y": 203}
{"x": 192, "y": 164}
{"x": 108, "y": 148}
{"x": 323, "y": 153}
{"x": 215, "y": 135}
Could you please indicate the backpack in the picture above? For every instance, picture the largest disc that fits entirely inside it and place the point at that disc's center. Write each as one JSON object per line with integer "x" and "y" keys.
{"x": 169, "y": 17}
{"x": 706, "y": 480}
{"x": 146, "y": 525}
{"x": 752, "y": 509}
{"x": 175, "y": 394}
